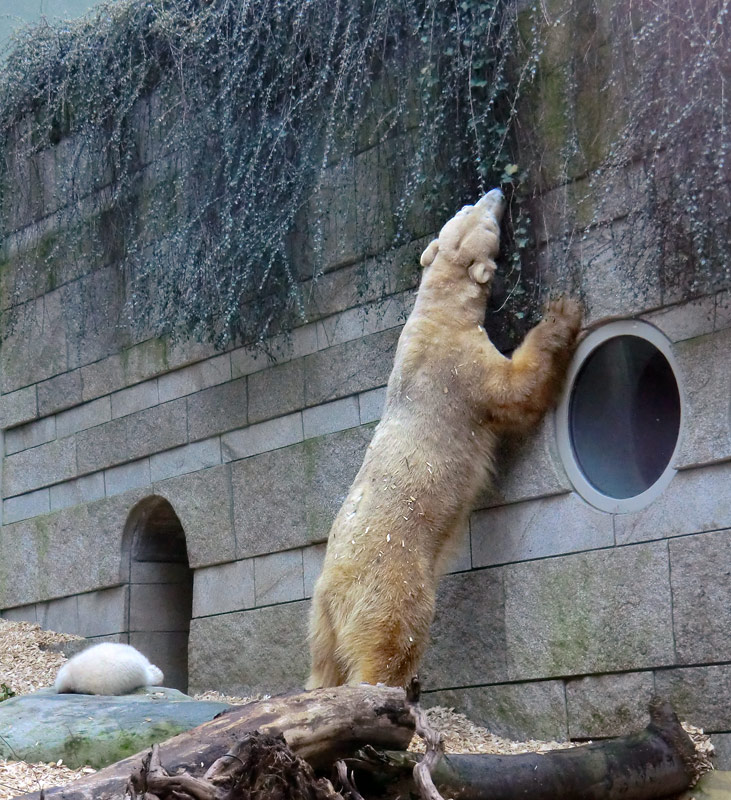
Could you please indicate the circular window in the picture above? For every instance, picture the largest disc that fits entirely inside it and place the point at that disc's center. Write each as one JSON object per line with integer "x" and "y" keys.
{"x": 620, "y": 416}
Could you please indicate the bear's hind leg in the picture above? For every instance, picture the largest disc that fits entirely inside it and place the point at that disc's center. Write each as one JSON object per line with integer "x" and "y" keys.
{"x": 325, "y": 669}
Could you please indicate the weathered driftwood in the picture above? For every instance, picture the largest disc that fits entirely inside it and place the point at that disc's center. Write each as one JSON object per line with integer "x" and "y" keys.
{"x": 259, "y": 767}
{"x": 321, "y": 727}
{"x": 423, "y": 770}
{"x": 655, "y": 763}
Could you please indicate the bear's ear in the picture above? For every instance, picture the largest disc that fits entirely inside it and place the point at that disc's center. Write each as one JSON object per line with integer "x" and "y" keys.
{"x": 430, "y": 254}
{"x": 481, "y": 271}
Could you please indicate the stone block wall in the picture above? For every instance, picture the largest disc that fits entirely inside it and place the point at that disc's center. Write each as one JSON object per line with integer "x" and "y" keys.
{"x": 556, "y": 619}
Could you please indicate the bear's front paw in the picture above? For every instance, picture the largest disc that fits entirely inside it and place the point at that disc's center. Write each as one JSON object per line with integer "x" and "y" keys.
{"x": 564, "y": 314}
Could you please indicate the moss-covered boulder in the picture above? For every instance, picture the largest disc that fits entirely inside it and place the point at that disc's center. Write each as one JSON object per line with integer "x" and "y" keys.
{"x": 94, "y": 730}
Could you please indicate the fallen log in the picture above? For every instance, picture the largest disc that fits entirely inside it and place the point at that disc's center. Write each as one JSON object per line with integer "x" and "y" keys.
{"x": 321, "y": 727}
{"x": 654, "y": 763}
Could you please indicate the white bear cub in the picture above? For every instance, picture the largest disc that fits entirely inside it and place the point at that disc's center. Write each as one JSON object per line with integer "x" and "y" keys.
{"x": 107, "y": 668}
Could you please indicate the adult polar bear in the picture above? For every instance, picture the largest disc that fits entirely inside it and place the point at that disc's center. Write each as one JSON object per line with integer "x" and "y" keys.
{"x": 450, "y": 396}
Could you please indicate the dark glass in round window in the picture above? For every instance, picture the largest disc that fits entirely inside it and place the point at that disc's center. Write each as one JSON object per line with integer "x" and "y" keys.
{"x": 624, "y": 416}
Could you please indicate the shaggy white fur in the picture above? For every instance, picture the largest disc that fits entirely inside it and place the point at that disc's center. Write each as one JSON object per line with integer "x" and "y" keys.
{"x": 107, "y": 668}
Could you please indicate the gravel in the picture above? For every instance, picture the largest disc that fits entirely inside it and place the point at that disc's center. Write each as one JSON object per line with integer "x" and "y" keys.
{"x": 29, "y": 660}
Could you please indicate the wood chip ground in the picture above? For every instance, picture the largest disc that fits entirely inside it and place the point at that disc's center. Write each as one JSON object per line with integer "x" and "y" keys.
{"x": 29, "y": 662}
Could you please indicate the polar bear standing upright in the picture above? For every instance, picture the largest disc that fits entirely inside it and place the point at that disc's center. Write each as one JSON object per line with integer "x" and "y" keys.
{"x": 107, "y": 668}
{"x": 450, "y": 396}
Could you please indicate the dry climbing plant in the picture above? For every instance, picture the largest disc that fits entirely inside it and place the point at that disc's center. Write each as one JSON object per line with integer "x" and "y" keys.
{"x": 220, "y": 137}
{"x": 207, "y": 148}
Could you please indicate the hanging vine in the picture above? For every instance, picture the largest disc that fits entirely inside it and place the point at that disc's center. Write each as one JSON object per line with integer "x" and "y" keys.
{"x": 219, "y": 135}
{"x": 221, "y": 154}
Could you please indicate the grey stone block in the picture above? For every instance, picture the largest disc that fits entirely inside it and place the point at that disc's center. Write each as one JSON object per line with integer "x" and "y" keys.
{"x": 93, "y": 310}
{"x": 135, "y": 398}
{"x": 218, "y": 409}
{"x": 167, "y": 650}
{"x": 353, "y": 220}
{"x": 202, "y": 501}
{"x": 389, "y": 273}
{"x": 612, "y": 284}
{"x": 56, "y": 394}
{"x": 460, "y": 558}
{"x": 312, "y": 560}
{"x": 60, "y": 615}
{"x": 538, "y": 528}
{"x": 330, "y": 417}
{"x": 84, "y": 416}
{"x": 608, "y": 705}
{"x": 102, "y": 446}
{"x": 468, "y": 632}
{"x": 18, "y": 407}
{"x": 64, "y": 553}
{"x": 528, "y": 467}
{"x": 685, "y": 320}
{"x": 104, "y": 612}
{"x": 517, "y": 711}
{"x": 224, "y": 587}
{"x": 707, "y": 384}
{"x": 722, "y": 747}
{"x": 277, "y": 391}
{"x": 371, "y": 405}
{"x": 121, "y": 479}
{"x": 723, "y": 311}
{"x": 259, "y": 651}
{"x": 158, "y": 607}
{"x": 285, "y": 347}
{"x": 26, "y": 505}
{"x": 48, "y": 463}
{"x": 21, "y": 613}
{"x": 30, "y": 435}
{"x": 159, "y": 572}
{"x": 155, "y": 429}
{"x": 184, "y": 352}
{"x": 34, "y": 347}
{"x": 279, "y": 577}
{"x": 350, "y": 367}
{"x": 145, "y": 360}
{"x": 699, "y": 695}
{"x": 701, "y": 597}
{"x": 589, "y": 613}
{"x": 101, "y": 377}
{"x": 331, "y": 464}
{"x": 262, "y": 437}
{"x": 696, "y": 500}
{"x": 131, "y": 437}
{"x": 80, "y": 490}
{"x": 188, "y": 458}
{"x": 198, "y": 376}
{"x": 20, "y": 572}
{"x": 364, "y": 320}
{"x": 269, "y": 501}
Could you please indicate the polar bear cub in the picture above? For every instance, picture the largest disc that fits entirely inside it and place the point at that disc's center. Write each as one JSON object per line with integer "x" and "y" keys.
{"x": 107, "y": 668}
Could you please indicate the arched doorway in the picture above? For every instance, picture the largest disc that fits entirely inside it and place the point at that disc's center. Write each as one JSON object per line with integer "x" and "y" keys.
{"x": 160, "y": 597}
